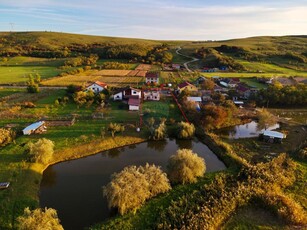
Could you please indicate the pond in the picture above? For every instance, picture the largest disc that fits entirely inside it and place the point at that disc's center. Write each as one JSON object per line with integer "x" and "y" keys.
{"x": 73, "y": 187}
{"x": 244, "y": 131}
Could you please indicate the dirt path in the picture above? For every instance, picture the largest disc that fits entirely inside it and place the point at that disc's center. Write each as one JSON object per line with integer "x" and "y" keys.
{"x": 186, "y": 63}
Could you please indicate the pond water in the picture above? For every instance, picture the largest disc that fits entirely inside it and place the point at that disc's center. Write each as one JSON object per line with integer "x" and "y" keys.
{"x": 73, "y": 187}
{"x": 244, "y": 131}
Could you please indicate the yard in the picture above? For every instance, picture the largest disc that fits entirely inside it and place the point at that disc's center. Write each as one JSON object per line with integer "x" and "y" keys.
{"x": 157, "y": 109}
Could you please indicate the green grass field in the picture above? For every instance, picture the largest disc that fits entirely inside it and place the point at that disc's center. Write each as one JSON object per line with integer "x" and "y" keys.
{"x": 164, "y": 108}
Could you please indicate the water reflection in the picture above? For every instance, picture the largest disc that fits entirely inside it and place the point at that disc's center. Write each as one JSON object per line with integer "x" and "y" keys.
{"x": 157, "y": 145}
{"x": 73, "y": 188}
{"x": 250, "y": 129}
{"x": 184, "y": 144}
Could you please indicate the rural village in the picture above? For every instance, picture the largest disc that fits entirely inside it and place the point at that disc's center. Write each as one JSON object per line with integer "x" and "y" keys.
{"x": 133, "y": 141}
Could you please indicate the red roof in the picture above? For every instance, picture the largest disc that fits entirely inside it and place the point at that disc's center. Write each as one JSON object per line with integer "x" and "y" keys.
{"x": 184, "y": 84}
{"x": 151, "y": 75}
{"x": 134, "y": 101}
{"x": 102, "y": 84}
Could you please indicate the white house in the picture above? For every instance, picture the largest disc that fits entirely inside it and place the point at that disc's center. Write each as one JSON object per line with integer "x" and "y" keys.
{"x": 151, "y": 95}
{"x": 125, "y": 93}
{"x": 152, "y": 77}
{"x": 34, "y": 127}
{"x": 134, "y": 103}
{"x": 97, "y": 87}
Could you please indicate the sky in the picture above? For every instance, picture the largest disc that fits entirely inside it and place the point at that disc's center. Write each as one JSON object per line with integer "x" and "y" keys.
{"x": 158, "y": 19}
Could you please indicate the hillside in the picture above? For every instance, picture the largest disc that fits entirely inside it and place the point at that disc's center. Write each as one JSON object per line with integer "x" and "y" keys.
{"x": 284, "y": 51}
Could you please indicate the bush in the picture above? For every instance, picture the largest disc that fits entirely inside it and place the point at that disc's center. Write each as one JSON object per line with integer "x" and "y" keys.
{"x": 41, "y": 151}
{"x": 39, "y": 219}
{"x": 131, "y": 187}
{"x": 186, "y": 130}
{"x": 185, "y": 167}
{"x": 302, "y": 153}
{"x": 6, "y": 136}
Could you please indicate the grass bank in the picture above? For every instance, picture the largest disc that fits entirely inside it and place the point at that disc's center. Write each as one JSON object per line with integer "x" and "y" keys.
{"x": 25, "y": 177}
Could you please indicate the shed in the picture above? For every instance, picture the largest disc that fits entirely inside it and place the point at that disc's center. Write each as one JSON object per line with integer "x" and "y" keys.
{"x": 272, "y": 136}
{"x": 33, "y": 128}
{"x": 134, "y": 103}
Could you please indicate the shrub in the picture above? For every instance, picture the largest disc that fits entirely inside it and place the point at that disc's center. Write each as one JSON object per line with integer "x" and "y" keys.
{"x": 131, "y": 187}
{"x": 186, "y": 130}
{"x": 41, "y": 151}
{"x": 156, "y": 178}
{"x": 120, "y": 192}
{"x": 302, "y": 153}
{"x": 185, "y": 166}
{"x": 39, "y": 219}
{"x": 6, "y": 136}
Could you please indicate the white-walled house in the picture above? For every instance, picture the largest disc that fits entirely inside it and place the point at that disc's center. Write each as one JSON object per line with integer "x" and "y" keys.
{"x": 97, "y": 86}
{"x": 151, "y": 95}
{"x": 125, "y": 93}
{"x": 152, "y": 77}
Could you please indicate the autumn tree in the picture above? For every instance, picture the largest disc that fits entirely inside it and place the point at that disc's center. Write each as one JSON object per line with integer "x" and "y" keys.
{"x": 115, "y": 128}
{"x": 265, "y": 119}
{"x": 131, "y": 187}
{"x": 186, "y": 130}
{"x": 41, "y": 151}
{"x": 159, "y": 133}
{"x": 208, "y": 84}
{"x": 213, "y": 116}
{"x": 185, "y": 167}
{"x": 6, "y": 136}
{"x": 39, "y": 219}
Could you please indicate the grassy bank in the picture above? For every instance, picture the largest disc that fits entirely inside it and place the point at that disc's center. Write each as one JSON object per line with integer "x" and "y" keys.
{"x": 25, "y": 177}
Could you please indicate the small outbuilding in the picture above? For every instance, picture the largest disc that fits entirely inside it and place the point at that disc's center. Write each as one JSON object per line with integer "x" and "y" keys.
{"x": 36, "y": 127}
{"x": 272, "y": 136}
{"x": 134, "y": 103}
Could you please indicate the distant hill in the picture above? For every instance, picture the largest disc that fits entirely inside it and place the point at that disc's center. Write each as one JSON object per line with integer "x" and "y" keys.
{"x": 286, "y": 51}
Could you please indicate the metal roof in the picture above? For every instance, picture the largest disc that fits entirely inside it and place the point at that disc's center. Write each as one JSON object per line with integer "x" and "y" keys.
{"x": 33, "y": 126}
{"x": 273, "y": 134}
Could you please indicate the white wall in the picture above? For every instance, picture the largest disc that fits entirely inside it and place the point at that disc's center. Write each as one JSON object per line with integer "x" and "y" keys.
{"x": 133, "y": 107}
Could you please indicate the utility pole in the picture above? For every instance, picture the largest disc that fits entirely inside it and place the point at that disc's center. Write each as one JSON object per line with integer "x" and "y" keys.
{"x": 12, "y": 26}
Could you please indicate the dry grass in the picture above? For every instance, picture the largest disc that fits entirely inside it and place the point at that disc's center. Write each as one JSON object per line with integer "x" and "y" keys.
{"x": 143, "y": 67}
{"x": 112, "y": 72}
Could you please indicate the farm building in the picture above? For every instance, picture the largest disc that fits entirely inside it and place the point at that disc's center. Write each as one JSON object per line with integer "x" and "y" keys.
{"x": 272, "y": 136}
{"x": 187, "y": 86}
{"x": 152, "y": 77}
{"x": 125, "y": 93}
{"x": 36, "y": 127}
{"x": 134, "y": 103}
{"x": 196, "y": 100}
{"x": 97, "y": 86}
{"x": 151, "y": 95}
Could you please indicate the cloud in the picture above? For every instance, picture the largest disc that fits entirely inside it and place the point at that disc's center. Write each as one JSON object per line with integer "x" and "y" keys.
{"x": 162, "y": 19}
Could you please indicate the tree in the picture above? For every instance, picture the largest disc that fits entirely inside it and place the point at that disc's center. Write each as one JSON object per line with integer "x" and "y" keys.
{"x": 39, "y": 219}
{"x": 156, "y": 178}
{"x": 6, "y": 136}
{"x": 127, "y": 190}
{"x": 208, "y": 84}
{"x": 185, "y": 167}
{"x": 41, "y": 151}
{"x": 115, "y": 128}
{"x": 80, "y": 98}
{"x": 213, "y": 116}
{"x": 265, "y": 119}
{"x": 167, "y": 57}
{"x": 186, "y": 130}
{"x": 159, "y": 133}
{"x": 32, "y": 85}
{"x": 131, "y": 187}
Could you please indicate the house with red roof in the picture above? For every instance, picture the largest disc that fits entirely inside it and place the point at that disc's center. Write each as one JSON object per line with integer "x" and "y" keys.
{"x": 152, "y": 77}
{"x": 126, "y": 93}
{"x": 97, "y": 86}
{"x": 187, "y": 86}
